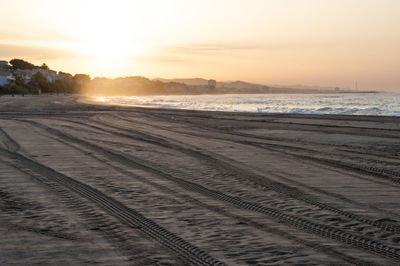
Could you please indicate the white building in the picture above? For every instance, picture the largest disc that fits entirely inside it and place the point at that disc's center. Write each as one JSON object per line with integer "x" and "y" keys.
{"x": 4, "y": 66}
{"x": 27, "y": 74}
{"x": 50, "y": 75}
{"x": 5, "y": 74}
{"x": 24, "y": 74}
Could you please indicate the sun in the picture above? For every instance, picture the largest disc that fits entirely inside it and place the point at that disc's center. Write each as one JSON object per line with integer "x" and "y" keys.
{"x": 109, "y": 49}
{"x": 107, "y": 37}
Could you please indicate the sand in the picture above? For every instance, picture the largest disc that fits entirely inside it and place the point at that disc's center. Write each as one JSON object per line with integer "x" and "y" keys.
{"x": 82, "y": 183}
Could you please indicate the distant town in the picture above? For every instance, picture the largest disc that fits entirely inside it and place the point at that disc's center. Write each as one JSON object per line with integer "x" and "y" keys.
{"x": 21, "y": 77}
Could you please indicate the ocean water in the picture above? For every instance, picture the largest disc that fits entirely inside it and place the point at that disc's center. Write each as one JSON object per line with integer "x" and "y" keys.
{"x": 384, "y": 104}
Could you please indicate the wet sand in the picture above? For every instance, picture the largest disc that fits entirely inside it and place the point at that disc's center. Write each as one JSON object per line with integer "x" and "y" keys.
{"x": 89, "y": 184}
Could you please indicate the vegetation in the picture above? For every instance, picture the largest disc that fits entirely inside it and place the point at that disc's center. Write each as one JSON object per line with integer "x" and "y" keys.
{"x": 24, "y": 65}
{"x": 38, "y": 83}
{"x": 134, "y": 85}
{"x": 44, "y": 66}
{"x": 82, "y": 83}
{"x": 21, "y": 64}
{"x": 13, "y": 88}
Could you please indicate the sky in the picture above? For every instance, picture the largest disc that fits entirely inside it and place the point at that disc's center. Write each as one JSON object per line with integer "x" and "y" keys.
{"x": 285, "y": 42}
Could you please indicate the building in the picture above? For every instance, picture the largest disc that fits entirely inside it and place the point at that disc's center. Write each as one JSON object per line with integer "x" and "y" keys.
{"x": 26, "y": 74}
{"x": 175, "y": 87}
{"x": 50, "y": 75}
{"x": 5, "y": 73}
{"x": 4, "y": 66}
{"x": 212, "y": 84}
{"x": 4, "y": 80}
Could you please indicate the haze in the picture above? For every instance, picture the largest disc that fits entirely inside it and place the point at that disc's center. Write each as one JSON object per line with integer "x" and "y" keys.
{"x": 313, "y": 42}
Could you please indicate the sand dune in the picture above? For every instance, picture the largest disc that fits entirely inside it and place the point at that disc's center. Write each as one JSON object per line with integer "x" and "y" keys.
{"x": 83, "y": 184}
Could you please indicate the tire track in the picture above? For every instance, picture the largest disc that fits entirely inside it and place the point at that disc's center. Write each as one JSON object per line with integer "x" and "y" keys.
{"x": 94, "y": 218}
{"x": 207, "y": 155}
{"x": 385, "y": 174}
{"x": 128, "y": 216}
{"x": 221, "y": 129}
{"x": 219, "y": 161}
{"x": 300, "y": 223}
{"x": 318, "y": 247}
{"x": 9, "y": 143}
{"x": 324, "y": 128}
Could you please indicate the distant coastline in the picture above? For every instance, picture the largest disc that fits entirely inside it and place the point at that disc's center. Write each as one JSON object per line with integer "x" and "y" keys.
{"x": 21, "y": 77}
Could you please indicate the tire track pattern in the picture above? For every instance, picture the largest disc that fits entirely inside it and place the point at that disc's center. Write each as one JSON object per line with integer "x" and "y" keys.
{"x": 190, "y": 253}
{"x": 319, "y": 247}
{"x": 271, "y": 185}
{"x": 300, "y": 223}
{"x": 390, "y": 175}
{"x": 9, "y": 143}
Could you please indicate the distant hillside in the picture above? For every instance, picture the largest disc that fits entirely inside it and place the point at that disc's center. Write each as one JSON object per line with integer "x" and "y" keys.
{"x": 241, "y": 85}
{"x": 247, "y": 87}
{"x": 29, "y": 78}
{"x": 189, "y": 82}
{"x": 305, "y": 87}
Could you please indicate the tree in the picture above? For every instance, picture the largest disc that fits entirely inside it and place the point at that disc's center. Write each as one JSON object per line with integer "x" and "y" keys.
{"x": 19, "y": 80}
{"x": 44, "y": 66}
{"x": 13, "y": 88}
{"x": 40, "y": 82}
{"x": 82, "y": 78}
{"x": 80, "y": 81}
{"x": 64, "y": 75}
{"x": 21, "y": 64}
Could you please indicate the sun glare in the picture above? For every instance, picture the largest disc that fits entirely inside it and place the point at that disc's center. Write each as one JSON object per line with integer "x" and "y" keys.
{"x": 107, "y": 50}
{"x": 107, "y": 38}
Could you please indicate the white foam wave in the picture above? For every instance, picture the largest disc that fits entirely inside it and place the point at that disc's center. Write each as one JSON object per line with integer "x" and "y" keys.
{"x": 384, "y": 104}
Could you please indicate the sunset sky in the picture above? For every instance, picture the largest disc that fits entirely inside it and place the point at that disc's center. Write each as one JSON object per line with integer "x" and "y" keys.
{"x": 310, "y": 42}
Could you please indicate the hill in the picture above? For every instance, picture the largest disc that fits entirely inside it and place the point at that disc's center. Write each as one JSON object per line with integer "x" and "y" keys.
{"x": 239, "y": 85}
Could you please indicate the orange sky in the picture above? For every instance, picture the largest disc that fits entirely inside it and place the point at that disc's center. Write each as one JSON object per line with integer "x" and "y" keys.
{"x": 311, "y": 42}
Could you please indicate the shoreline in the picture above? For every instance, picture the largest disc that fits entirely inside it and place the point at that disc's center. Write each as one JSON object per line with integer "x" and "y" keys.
{"x": 87, "y": 103}
{"x": 249, "y": 104}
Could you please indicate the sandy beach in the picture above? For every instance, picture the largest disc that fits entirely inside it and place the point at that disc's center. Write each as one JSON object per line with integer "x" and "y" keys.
{"x": 83, "y": 183}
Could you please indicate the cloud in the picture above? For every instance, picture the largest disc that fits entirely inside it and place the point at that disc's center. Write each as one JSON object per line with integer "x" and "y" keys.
{"x": 160, "y": 58}
{"x": 20, "y": 51}
{"x": 206, "y": 48}
{"x": 216, "y": 49}
{"x": 195, "y": 52}
{"x": 35, "y": 35}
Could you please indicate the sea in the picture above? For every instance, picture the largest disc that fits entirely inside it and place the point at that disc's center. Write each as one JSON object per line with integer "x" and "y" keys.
{"x": 380, "y": 104}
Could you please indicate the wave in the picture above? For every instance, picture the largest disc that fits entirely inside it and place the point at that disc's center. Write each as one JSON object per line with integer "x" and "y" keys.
{"x": 382, "y": 104}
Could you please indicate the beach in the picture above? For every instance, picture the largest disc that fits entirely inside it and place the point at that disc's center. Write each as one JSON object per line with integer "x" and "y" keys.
{"x": 89, "y": 183}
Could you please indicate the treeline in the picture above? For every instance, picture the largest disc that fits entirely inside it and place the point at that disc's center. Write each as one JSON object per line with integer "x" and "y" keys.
{"x": 66, "y": 83}
{"x": 135, "y": 85}
{"x": 39, "y": 84}
{"x": 31, "y": 79}
{"x": 24, "y": 65}
{"x": 13, "y": 88}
